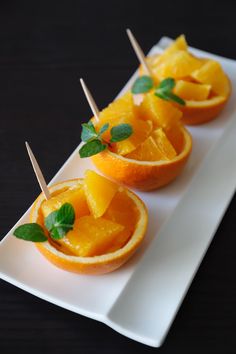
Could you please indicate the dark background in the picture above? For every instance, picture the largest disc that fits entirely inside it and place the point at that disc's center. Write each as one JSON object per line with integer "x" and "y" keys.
{"x": 44, "y": 48}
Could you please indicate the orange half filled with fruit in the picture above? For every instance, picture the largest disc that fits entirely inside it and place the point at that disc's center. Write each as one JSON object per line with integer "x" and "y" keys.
{"x": 200, "y": 82}
{"x": 88, "y": 226}
{"x": 154, "y": 151}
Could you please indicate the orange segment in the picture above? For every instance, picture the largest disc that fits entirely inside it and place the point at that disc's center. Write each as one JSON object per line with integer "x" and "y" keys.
{"x": 122, "y": 210}
{"x": 179, "y": 44}
{"x": 180, "y": 64}
{"x": 165, "y": 115}
{"x": 123, "y": 111}
{"x": 120, "y": 109}
{"x": 141, "y": 130}
{"x": 154, "y": 148}
{"x": 92, "y": 237}
{"x": 161, "y": 112}
{"x": 211, "y": 73}
{"x": 74, "y": 195}
{"x": 99, "y": 192}
{"x": 192, "y": 91}
{"x": 147, "y": 151}
{"x": 164, "y": 144}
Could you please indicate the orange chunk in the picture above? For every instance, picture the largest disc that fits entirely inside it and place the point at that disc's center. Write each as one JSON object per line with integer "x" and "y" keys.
{"x": 123, "y": 111}
{"x": 211, "y": 73}
{"x": 92, "y": 237}
{"x": 99, "y": 192}
{"x": 164, "y": 144}
{"x": 164, "y": 115}
{"x": 123, "y": 210}
{"x": 179, "y": 44}
{"x": 147, "y": 151}
{"x": 178, "y": 65}
{"x": 154, "y": 148}
{"x": 141, "y": 130}
{"x": 192, "y": 91}
{"x": 122, "y": 107}
{"x": 74, "y": 195}
{"x": 161, "y": 112}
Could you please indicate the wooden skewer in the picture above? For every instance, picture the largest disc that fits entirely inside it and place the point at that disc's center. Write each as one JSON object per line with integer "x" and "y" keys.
{"x": 138, "y": 52}
{"x": 38, "y": 172}
{"x": 91, "y": 102}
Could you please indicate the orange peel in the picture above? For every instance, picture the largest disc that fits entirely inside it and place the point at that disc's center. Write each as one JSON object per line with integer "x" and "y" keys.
{"x": 97, "y": 264}
{"x": 143, "y": 175}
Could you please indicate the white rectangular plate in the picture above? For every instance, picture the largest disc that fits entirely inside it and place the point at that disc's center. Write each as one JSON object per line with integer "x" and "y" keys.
{"x": 141, "y": 299}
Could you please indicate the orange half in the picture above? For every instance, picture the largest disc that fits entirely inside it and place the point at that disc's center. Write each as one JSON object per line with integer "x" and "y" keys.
{"x": 143, "y": 175}
{"x": 97, "y": 264}
{"x": 177, "y": 62}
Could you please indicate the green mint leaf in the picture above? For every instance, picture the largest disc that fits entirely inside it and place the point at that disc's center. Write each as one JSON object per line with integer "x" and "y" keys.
{"x": 65, "y": 216}
{"x": 103, "y": 128}
{"x": 120, "y": 132}
{"x": 92, "y": 148}
{"x": 61, "y": 221}
{"x": 169, "y": 96}
{"x": 88, "y": 132}
{"x": 58, "y": 232}
{"x": 50, "y": 220}
{"x": 175, "y": 98}
{"x": 142, "y": 84}
{"x": 166, "y": 84}
{"x": 30, "y": 232}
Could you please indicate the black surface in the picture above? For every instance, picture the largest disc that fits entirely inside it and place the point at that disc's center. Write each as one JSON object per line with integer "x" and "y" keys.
{"x": 44, "y": 48}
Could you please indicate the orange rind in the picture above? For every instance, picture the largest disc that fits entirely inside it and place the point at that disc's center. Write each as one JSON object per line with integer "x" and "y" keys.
{"x": 102, "y": 263}
{"x": 143, "y": 175}
{"x": 201, "y": 82}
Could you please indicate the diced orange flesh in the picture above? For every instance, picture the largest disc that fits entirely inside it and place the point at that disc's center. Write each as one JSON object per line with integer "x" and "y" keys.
{"x": 92, "y": 237}
{"x": 123, "y": 210}
{"x": 123, "y": 111}
{"x": 122, "y": 107}
{"x": 211, "y": 73}
{"x": 179, "y": 65}
{"x": 164, "y": 144}
{"x": 154, "y": 148}
{"x": 163, "y": 114}
{"x": 175, "y": 135}
{"x": 141, "y": 130}
{"x": 73, "y": 195}
{"x": 99, "y": 192}
{"x": 147, "y": 151}
{"x": 192, "y": 91}
{"x": 179, "y": 44}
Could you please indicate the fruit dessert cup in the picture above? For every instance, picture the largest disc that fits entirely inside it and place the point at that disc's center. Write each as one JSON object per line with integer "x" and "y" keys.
{"x": 200, "y": 82}
{"x": 157, "y": 150}
{"x": 88, "y": 226}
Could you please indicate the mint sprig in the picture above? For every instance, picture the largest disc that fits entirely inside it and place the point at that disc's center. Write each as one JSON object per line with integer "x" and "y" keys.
{"x": 58, "y": 223}
{"x": 94, "y": 142}
{"x": 163, "y": 90}
{"x": 92, "y": 148}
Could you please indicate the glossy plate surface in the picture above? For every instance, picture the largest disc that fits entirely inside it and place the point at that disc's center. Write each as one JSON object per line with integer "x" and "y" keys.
{"x": 141, "y": 299}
